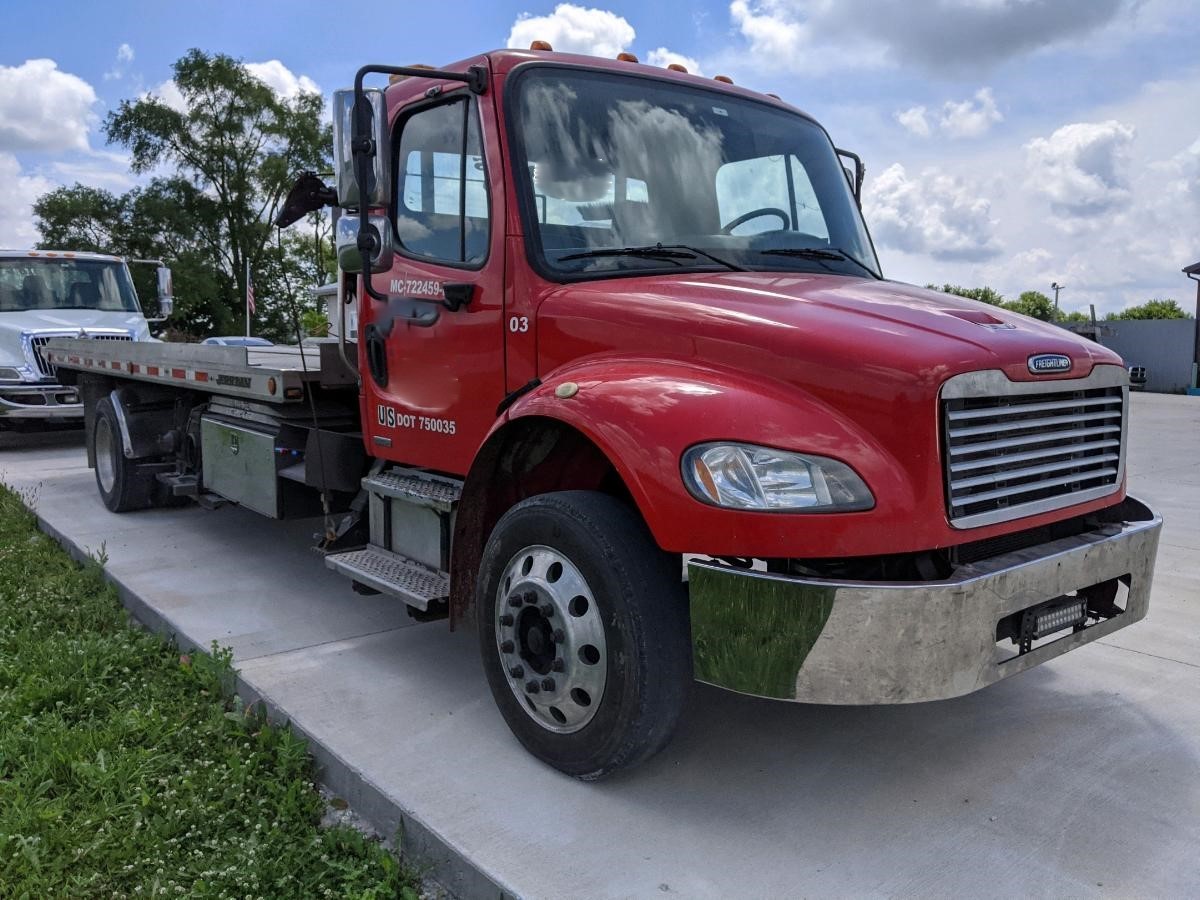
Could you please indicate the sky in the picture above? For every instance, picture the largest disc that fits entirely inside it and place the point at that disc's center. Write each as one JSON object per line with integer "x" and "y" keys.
{"x": 1011, "y": 143}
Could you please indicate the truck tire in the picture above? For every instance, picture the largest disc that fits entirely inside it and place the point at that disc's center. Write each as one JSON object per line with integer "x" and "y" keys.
{"x": 122, "y": 486}
{"x": 584, "y": 632}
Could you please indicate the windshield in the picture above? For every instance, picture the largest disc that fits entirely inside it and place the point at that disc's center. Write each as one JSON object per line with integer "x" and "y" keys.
{"x": 29, "y": 283}
{"x": 618, "y": 162}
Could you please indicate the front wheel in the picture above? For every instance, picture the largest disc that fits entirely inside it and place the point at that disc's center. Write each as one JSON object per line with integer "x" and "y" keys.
{"x": 583, "y": 626}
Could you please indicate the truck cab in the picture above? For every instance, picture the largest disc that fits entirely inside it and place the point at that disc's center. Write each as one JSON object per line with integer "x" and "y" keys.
{"x": 632, "y": 396}
{"x": 46, "y": 294}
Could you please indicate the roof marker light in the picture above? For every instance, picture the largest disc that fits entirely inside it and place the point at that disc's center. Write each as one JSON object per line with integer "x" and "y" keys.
{"x": 676, "y": 67}
{"x": 724, "y": 79}
{"x": 626, "y": 56}
{"x": 773, "y": 96}
{"x": 540, "y": 45}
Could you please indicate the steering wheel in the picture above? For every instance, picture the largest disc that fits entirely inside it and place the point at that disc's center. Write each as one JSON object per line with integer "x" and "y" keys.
{"x": 754, "y": 214}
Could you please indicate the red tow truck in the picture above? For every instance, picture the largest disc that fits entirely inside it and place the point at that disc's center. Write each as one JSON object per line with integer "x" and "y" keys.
{"x": 631, "y": 394}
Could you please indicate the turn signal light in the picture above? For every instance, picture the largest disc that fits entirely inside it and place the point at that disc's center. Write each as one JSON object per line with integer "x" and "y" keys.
{"x": 540, "y": 45}
{"x": 676, "y": 67}
{"x": 626, "y": 57}
{"x": 724, "y": 79}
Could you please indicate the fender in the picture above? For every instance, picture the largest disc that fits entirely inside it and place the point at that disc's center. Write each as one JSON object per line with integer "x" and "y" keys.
{"x": 644, "y": 413}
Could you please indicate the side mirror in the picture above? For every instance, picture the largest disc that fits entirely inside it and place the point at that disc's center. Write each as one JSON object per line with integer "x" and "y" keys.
{"x": 349, "y": 255}
{"x": 856, "y": 177}
{"x": 378, "y": 190}
{"x": 166, "y": 294}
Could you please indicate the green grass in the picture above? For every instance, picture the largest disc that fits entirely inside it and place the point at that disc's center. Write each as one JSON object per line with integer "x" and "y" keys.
{"x": 127, "y": 771}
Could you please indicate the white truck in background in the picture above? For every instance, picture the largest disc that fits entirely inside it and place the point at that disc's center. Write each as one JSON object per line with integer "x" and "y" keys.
{"x": 46, "y": 294}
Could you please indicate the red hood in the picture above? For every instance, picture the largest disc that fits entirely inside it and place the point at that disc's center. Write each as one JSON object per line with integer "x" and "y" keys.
{"x": 832, "y": 321}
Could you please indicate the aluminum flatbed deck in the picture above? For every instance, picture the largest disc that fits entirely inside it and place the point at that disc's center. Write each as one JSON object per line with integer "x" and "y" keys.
{"x": 267, "y": 374}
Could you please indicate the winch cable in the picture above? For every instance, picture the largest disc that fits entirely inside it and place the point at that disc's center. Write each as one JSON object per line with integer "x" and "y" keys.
{"x": 327, "y": 516}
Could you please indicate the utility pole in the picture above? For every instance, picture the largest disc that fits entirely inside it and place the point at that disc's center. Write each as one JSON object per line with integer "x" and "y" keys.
{"x": 1056, "y": 287}
{"x": 1193, "y": 272}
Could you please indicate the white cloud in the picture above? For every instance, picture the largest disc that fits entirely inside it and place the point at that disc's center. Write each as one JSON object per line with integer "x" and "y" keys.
{"x": 43, "y": 108}
{"x": 273, "y": 73}
{"x": 574, "y": 29}
{"x": 1082, "y": 167}
{"x": 124, "y": 58}
{"x": 935, "y": 34}
{"x": 932, "y": 213}
{"x": 664, "y": 57}
{"x": 915, "y": 120}
{"x": 17, "y": 230}
{"x": 970, "y": 118}
{"x": 282, "y": 80}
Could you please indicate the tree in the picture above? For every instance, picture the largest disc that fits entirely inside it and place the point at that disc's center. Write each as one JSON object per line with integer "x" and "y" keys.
{"x": 1034, "y": 304}
{"x": 1152, "y": 309}
{"x": 237, "y": 147}
{"x": 982, "y": 294}
{"x": 1074, "y": 315}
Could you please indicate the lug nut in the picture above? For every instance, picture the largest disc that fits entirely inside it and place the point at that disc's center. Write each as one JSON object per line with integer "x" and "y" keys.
{"x": 547, "y": 610}
{"x": 558, "y": 665}
{"x": 559, "y": 636}
{"x": 506, "y": 619}
{"x": 531, "y": 686}
{"x": 507, "y": 646}
{"x": 547, "y": 684}
{"x": 517, "y": 672}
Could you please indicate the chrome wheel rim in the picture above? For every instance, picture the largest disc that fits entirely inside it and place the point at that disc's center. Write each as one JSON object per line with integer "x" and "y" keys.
{"x": 550, "y": 639}
{"x": 105, "y": 470}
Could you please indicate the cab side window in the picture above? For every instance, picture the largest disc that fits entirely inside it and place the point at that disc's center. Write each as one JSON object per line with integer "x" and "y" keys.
{"x": 442, "y": 197}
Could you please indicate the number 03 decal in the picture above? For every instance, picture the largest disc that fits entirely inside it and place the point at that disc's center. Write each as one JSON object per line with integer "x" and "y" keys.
{"x": 519, "y": 324}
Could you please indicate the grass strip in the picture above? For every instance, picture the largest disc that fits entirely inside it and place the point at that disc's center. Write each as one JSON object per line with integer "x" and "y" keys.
{"x": 127, "y": 771}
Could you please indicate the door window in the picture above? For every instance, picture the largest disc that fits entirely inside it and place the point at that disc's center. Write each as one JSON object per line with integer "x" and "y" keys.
{"x": 442, "y": 201}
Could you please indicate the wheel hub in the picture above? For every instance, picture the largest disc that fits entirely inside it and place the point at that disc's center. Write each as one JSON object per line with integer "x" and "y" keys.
{"x": 551, "y": 639}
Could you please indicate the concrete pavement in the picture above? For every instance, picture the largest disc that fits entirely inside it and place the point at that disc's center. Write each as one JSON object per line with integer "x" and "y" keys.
{"x": 1078, "y": 778}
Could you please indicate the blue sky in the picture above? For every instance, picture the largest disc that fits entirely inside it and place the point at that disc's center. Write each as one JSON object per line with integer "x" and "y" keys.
{"x": 1007, "y": 142}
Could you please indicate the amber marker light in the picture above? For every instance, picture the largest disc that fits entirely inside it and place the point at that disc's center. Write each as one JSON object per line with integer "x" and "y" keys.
{"x": 540, "y": 45}
{"x": 676, "y": 67}
{"x": 624, "y": 56}
{"x": 724, "y": 79}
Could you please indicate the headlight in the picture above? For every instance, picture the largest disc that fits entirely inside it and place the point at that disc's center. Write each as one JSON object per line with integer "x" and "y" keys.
{"x": 9, "y": 374}
{"x": 742, "y": 476}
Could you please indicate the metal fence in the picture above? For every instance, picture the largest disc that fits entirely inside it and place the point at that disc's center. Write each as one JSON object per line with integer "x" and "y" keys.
{"x": 1166, "y": 347}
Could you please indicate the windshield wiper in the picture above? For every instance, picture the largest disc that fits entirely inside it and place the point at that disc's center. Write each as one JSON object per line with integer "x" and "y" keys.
{"x": 672, "y": 252}
{"x": 821, "y": 253}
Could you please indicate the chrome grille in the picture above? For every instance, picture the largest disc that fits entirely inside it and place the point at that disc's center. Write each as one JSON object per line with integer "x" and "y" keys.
{"x": 1012, "y": 455}
{"x": 37, "y": 344}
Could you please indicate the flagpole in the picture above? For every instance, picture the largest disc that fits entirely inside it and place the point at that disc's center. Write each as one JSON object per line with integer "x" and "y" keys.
{"x": 247, "y": 297}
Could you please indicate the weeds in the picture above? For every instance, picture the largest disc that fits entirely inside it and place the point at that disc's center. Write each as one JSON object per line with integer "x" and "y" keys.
{"x": 126, "y": 770}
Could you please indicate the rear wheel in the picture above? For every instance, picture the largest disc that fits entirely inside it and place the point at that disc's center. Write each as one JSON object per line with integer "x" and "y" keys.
{"x": 123, "y": 487}
{"x": 583, "y": 626}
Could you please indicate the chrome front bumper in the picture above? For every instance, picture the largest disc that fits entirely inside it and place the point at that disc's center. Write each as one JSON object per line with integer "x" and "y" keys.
{"x": 39, "y": 401}
{"x": 821, "y": 641}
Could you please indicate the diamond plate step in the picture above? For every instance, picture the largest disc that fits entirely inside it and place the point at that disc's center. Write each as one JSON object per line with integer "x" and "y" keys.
{"x": 391, "y": 573}
{"x": 415, "y": 487}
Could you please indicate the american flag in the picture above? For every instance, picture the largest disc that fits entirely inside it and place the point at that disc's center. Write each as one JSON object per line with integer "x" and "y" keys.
{"x": 249, "y": 290}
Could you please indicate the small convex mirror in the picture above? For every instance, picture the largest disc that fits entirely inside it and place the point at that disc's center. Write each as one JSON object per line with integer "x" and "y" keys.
{"x": 378, "y": 189}
{"x": 349, "y": 257}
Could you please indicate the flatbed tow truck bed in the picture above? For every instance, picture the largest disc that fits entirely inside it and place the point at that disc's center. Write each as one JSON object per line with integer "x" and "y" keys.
{"x": 275, "y": 375}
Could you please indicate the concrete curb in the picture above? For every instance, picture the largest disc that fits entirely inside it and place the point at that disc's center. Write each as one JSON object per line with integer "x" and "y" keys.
{"x": 420, "y": 845}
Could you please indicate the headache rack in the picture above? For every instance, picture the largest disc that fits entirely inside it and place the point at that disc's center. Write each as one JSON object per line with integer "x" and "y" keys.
{"x": 1014, "y": 449}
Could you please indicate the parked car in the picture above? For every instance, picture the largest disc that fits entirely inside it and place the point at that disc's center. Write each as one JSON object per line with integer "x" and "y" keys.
{"x": 239, "y": 341}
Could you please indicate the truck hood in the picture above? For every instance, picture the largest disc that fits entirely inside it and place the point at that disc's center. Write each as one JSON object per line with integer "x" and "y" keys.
{"x": 58, "y": 321}
{"x": 814, "y": 330}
